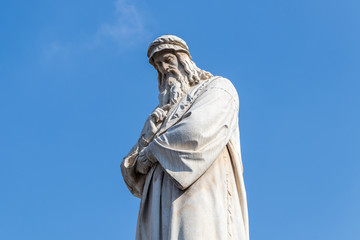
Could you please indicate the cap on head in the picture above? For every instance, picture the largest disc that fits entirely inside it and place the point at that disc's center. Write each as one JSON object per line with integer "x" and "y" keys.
{"x": 167, "y": 42}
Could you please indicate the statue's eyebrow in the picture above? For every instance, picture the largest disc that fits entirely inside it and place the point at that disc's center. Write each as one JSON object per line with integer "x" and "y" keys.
{"x": 168, "y": 57}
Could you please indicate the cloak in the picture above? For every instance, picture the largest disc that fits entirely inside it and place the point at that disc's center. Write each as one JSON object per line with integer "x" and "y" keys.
{"x": 196, "y": 189}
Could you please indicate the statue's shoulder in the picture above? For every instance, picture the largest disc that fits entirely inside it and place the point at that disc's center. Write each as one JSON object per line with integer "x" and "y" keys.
{"x": 224, "y": 84}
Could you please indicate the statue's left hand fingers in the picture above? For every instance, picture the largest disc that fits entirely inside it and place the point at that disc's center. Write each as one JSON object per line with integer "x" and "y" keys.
{"x": 161, "y": 113}
{"x": 156, "y": 115}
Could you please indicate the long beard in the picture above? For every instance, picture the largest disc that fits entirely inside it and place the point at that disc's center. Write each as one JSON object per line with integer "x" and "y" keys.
{"x": 175, "y": 87}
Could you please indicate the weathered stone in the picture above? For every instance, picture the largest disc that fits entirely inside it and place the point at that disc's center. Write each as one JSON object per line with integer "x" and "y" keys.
{"x": 186, "y": 166}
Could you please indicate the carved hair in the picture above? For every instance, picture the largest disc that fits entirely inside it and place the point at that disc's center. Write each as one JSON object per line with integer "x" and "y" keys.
{"x": 194, "y": 74}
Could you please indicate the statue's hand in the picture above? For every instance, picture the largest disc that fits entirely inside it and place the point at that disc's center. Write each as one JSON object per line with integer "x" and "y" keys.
{"x": 152, "y": 125}
{"x": 159, "y": 114}
{"x": 149, "y": 130}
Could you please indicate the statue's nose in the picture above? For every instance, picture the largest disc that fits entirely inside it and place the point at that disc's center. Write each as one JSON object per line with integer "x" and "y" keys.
{"x": 164, "y": 67}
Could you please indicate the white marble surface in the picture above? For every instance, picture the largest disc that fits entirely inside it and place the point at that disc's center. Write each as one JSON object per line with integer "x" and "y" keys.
{"x": 186, "y": 166}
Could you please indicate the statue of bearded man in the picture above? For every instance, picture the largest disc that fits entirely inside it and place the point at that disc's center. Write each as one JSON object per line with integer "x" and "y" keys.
{"x": 186, "y": 166}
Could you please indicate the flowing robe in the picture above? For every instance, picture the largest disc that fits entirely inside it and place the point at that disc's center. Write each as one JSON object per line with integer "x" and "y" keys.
{"x": 196, "y": 188}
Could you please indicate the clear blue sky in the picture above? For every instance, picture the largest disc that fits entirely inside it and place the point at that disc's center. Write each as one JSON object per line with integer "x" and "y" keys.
{"x": 76, "y": 87}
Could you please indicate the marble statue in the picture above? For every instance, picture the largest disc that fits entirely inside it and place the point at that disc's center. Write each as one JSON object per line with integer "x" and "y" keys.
{"x": 186, "y": 166}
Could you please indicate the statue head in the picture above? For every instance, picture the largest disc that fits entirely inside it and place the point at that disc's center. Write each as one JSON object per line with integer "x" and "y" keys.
{"x": 177, "y": 73}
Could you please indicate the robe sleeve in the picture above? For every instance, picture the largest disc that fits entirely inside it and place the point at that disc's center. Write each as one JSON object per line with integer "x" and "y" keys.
{"x": 187, "y": 149}
{"x": 134, "y": 181}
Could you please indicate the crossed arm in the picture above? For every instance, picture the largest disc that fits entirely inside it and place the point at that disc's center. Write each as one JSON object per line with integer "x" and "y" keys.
{"x": 187, "y": 149}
